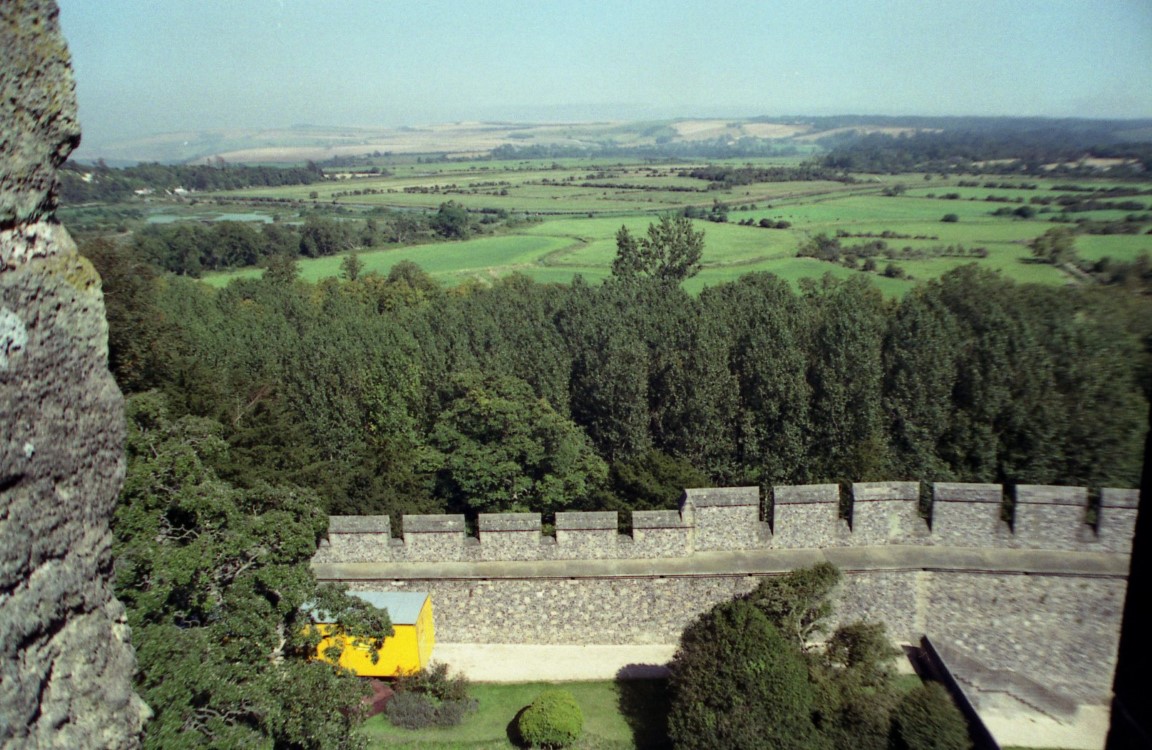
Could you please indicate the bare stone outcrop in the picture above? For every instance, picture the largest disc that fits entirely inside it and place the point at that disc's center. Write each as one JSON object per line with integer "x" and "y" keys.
{"x": 66, "y": 662}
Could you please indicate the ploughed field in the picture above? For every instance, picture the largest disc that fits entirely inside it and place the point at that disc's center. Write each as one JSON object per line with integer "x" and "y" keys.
{"x": 573, "y": 209}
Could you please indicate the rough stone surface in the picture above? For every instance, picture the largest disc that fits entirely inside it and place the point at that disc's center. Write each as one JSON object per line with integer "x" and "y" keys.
{"x": 1050, "y": 517}
{"x": 887, "y": 513}
{"x": 808, "y": 516}
{"x": 67, "y": 664}
{"x": 968, "y": 515}
{"x": 1059, "y": 630}
{"x": 1116, "y": 524}
{"x": 716, "y": 520}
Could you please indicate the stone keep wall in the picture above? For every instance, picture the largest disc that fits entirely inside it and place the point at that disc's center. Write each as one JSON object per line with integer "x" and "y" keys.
{"x": 66, "y": 664}
{"x": 1057, "y": 629}
{"x": 729, "y": 519}
{"x": 1042, "y": 598}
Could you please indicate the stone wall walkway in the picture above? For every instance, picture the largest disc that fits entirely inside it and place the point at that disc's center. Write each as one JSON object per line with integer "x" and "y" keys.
{"x": 503, "y": 662}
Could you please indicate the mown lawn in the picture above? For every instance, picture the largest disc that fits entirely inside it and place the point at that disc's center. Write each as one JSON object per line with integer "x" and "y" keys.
{"x": 617, "y": 716}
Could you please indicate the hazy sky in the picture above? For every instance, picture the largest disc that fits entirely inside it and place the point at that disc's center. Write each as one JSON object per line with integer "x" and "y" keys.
{"x": 146, "y": 66}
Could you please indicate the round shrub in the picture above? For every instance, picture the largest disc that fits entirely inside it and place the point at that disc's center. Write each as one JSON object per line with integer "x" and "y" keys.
{"x": 552, "y": 720}
{"x": 927, "y": 719}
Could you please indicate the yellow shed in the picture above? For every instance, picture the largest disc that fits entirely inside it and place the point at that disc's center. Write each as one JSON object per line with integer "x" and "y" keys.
{"x": 407, "y": 650}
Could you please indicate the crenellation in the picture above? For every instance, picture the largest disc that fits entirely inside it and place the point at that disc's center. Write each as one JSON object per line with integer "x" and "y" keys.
{"x": 728, "y": 519}
{"x": 434, "y": 538}
{"x": 358, "y": 539}
{"x": 592, "y": 535}
{"x": 887, "y": 513}
{"x": 968, "y": 515}
{"x": 1116, "y": 520}
{"x": 660, "y": 533}
{"x": 1050, "y": 517}
{"x": 807, "y": 516}
{"x": 510, "y": 536}
{"x": 725, "y": 517}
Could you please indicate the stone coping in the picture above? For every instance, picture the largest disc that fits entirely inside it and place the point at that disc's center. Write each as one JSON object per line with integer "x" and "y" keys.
{"x": 658, "y": 519}
{"x": 436, "y": 523}
{"x": 586, "y": 521}
{"x": 510, "y": 522}
{"x": 850, "y": 560}
{"x": 359, "y": 525}
{"x": 962, "y": 492}
{"x": 864, "y": 492}
{"x": 1114, "y": 498}
{"x": 709, "y": 497}
{"x": 1033, "y": 494}
{"x": 807, "y": 494}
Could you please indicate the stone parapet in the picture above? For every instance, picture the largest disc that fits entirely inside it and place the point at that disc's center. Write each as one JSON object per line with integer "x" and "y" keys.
{"x": 588, "y": 535}
{"x": 1050, "y": 517}
{"x": 1116, "y": 519}
{"x": 887, "y": 513}
{"x": 804, "y": 517}
{"x": 725, "y": 517}
{"x": 969, "y": 515}
{"x": 808, "y": 516}
{"x": 510, "y": 536}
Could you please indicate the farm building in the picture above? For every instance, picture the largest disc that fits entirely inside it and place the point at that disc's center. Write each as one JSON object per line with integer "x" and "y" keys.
{"x": 407, "y": 650}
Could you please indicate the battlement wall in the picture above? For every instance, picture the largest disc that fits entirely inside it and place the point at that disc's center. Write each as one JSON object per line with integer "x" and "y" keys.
{"x": 867, "y": 514}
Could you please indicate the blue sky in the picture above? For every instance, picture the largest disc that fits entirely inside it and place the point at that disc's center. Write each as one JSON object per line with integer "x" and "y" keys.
{"x": 147, "y": 66}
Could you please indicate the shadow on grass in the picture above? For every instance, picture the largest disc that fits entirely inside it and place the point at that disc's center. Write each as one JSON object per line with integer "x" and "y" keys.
{"x": 644, "y": 701}
{"x": 513, "y": 729}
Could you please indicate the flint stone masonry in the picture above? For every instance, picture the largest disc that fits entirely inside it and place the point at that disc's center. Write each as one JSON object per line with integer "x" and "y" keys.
{"x": 725, "y": 517}
{"x": 66, "y": 663}
{"x": 808, "y": 516}
{"x": 1051, "y": 517}
{"x": 510, "y": 536}
{"x": 1060, "y": 630}
{"x": 434, "y": 537}
{"x": 968, "y": 515}
{"x": 1116, "y": 524}
{"x": 887, "y": 513}
{"x": 1043, "y": 602}
{"x": 660, "y": 533}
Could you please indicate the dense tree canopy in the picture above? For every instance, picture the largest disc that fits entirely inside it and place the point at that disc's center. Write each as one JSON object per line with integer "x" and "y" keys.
{"x": 350, "y": 387}
{"x": 750, "y": 674}
{"x": 215, "y": 579}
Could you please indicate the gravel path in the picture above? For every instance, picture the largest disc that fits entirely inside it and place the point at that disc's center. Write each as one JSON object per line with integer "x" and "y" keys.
{"x": 499, "y": 662}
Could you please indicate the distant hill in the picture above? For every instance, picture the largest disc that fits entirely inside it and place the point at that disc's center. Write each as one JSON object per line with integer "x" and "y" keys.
{"x": 680, "y": 137}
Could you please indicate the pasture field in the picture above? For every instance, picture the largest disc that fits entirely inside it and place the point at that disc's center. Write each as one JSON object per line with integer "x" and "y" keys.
{"x": 576, "y": 223}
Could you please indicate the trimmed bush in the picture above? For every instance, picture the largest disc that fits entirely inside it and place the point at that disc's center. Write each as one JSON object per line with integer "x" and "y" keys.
{"x": 552, "y": 720}
{"x": 430, "y": 698}
{"x": 738, "y": 684}
{"x": 411, "y": 711}
{"x": 927, "y": 719}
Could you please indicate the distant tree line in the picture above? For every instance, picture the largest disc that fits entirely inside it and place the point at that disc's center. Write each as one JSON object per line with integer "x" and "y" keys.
{"x": 722, "y": 177}
{"x": 1023, "y": 150}
{"x": 81, "y": 183}
{"x": 193, "y": 248}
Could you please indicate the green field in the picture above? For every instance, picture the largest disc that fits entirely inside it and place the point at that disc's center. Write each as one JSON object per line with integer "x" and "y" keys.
{"x": 576, "y": 225}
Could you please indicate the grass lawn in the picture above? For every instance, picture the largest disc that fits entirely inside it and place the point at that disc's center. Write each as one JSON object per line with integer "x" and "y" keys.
{"x": 617, "y": 715}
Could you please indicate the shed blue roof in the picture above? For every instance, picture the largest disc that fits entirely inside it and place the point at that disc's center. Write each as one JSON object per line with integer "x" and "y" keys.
{"x": 403, "y": 606}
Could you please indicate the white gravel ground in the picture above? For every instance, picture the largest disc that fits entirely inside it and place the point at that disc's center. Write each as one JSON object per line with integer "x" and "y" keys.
{"x": 498, "y": 662}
